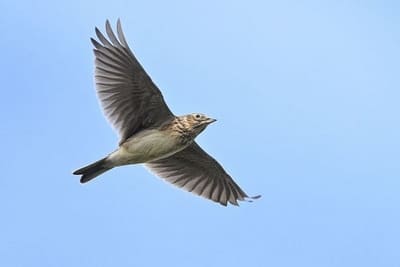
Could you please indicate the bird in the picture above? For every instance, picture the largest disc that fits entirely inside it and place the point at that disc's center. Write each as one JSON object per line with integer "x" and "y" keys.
{"x": 149, "y": 132}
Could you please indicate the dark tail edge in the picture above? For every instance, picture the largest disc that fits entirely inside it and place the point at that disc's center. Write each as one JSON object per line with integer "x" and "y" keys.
{"x": 93, "y": 170}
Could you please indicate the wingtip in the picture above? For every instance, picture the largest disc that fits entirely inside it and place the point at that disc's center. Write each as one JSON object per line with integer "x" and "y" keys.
{"x": 108, "y": 26}
{"x": 250, "y": 199}
{"x": 121, "y": 35}
{"x": 96, "y": 44}
{"x": 98, "y": 32}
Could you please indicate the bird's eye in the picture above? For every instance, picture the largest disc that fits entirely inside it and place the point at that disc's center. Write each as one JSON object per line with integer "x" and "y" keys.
{"x": 197, "y": 116}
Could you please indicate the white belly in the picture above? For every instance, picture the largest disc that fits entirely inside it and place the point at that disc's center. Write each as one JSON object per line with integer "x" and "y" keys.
{"x": 146, "y": 146}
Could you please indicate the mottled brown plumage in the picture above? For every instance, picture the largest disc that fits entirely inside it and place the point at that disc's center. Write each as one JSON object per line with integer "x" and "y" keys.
{"x": 149, "y": 132}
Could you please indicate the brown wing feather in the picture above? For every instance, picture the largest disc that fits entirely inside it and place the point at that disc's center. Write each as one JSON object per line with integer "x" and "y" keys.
{"x": 130, "y": 100}
{"x": 195, "y": 171}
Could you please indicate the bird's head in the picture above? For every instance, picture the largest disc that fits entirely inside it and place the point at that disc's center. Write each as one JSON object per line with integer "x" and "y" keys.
{"x": 196, "y": 122}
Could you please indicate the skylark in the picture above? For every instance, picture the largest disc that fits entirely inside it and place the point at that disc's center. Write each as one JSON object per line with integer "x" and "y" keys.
{"x": 150, "y": 133}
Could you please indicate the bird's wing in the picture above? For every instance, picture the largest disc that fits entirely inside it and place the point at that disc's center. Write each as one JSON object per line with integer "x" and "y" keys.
{"x": 130, "y": 100}
{"x": 195, "y": 171}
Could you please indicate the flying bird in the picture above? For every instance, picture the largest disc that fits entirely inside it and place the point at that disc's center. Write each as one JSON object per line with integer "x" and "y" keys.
{"x": 149, "y": 132}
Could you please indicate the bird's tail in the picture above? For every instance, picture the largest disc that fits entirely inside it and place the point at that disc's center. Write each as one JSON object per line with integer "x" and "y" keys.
{"x": 93, "y": 170}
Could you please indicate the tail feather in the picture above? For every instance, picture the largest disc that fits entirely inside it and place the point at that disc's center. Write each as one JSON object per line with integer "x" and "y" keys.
{"x": 92, "y": 170}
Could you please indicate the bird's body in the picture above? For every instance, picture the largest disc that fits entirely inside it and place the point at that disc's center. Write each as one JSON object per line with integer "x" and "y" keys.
{"x": 145, "y": 146}
{"x": 154, "y": 144}
{"x": 150, "y": 133}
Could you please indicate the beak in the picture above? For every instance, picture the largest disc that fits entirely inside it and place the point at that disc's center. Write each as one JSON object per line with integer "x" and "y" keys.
{"x": 210, "y": 120}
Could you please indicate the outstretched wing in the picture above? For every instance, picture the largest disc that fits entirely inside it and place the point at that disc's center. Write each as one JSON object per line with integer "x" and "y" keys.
{"x": 195, "y": 171}
{"x": 130, "y": 100}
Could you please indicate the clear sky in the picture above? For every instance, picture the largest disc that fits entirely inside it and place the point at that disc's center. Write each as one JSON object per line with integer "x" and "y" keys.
{"x": 307, "y": 97}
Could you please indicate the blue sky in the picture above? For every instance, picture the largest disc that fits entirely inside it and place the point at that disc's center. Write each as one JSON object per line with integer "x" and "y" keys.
{"x": 306, "y": 94}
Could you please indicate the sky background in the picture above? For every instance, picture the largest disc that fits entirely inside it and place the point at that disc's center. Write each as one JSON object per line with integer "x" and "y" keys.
{"x": 306, "y": 94}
